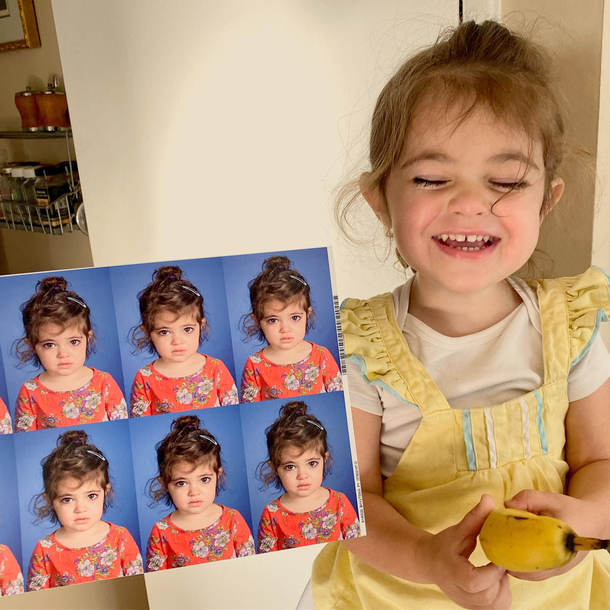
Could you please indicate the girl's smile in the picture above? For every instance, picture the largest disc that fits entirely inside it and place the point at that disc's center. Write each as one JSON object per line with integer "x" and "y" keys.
{"x": 464, "y": 201}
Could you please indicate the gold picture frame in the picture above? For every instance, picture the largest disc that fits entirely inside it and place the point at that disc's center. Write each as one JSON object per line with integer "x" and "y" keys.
{"x": 26, "y": 17}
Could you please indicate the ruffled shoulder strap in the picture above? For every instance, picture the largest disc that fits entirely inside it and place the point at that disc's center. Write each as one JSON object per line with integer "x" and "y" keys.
{"x": 572, "y": 309}
{"x": 374, "y": 341}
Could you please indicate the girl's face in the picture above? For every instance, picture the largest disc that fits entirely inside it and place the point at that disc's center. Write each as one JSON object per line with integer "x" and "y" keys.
{"x": 176, "y": 338}
{"x": 284, "y": 325}
{"x": 79, "y": 505}
{"x": 61, "y": 352}
{"x": 440, "y": 195}
{"x": 193, "y": 489}
{"x": 301, "y": 472}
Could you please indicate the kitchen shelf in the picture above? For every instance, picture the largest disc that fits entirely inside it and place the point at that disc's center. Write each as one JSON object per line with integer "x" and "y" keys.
{"x": 56, "y": 218}
{"x": 35, "y": 135}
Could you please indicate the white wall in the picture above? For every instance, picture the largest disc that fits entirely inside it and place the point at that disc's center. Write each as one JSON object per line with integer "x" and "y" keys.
{"x": 218, "y": 127}
{"x": 215, "y": 127}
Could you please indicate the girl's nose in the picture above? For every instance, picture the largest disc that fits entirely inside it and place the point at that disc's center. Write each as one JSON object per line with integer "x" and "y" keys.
{"x": 471, "y": 200}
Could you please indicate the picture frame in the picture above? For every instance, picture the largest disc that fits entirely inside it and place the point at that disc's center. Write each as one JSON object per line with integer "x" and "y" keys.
{"x": 18, "y": 28}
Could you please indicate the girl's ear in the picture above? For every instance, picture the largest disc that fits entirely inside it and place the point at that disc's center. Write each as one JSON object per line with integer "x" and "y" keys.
{"x": 557, "y": 187}
{"x": 375, "y": 198}
{"x": 326, "y": 455}
{"x": 108, "y": 488}
{"x": 271, "y": 466}
{"x": 144, "y": 331}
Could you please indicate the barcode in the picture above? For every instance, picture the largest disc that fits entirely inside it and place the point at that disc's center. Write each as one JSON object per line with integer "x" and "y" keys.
{"x": 340, "y": 340}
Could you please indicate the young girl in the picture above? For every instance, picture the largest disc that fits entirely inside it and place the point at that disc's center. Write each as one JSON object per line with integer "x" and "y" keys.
{"x": 306, "y": 513}
{"x": 58, "y": 337}
{"x": 173, "y": 326}
{"x": 467, "y": 381}
{"x": 6, "y": 427}
{"x": 77, "y": 491}
{"x": 190, "y": 477}
{"x": 11, "y": 578}
{"x": 281, "y": 315}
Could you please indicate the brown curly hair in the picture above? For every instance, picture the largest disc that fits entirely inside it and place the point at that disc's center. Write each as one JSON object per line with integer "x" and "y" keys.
{"x": 169, "y": 291}
{"x": 74, "y": 457}
{"x": 277, "y": 281}
{"x": 295, "y": 427}
{"x": 188, "y": 441}
{"x": 52, "y": 303}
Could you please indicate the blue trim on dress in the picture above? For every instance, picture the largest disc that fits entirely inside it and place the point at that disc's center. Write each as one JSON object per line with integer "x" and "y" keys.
{"x": 602, "y": 270}
{"x": 470, "y": 454}
{"x": 382, "y": 384}
{"x": 541, "y": 429}
{"x": 344, "y": 302}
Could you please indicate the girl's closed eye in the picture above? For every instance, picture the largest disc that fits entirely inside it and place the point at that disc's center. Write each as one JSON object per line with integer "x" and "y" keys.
{"x": 509, "y": 186}
{"x": 429, "y": 183}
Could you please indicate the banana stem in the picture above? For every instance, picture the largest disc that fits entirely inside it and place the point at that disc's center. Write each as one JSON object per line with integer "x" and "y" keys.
{"x": 590, "y": 544}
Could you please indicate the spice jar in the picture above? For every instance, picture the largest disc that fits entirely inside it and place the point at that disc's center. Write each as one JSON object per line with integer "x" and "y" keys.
{"x": 28, "y": 109}
{"x": 52, "y": 108}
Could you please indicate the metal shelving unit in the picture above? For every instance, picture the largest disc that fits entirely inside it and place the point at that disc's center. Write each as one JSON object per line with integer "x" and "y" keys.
{"x": 56, "y": 218}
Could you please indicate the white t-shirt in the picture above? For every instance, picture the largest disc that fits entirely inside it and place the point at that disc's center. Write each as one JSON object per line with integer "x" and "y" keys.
{"x": 480, "y": 370}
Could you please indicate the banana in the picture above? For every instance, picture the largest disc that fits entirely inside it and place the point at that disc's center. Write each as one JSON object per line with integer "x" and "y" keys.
{"x": 524, "y": 542}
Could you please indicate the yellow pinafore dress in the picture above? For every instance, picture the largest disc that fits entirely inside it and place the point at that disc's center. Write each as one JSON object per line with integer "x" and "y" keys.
{"x": 457, "y": 455}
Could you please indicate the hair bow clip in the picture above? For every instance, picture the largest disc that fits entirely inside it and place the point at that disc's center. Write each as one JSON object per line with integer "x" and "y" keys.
{"x": 172, "y": 277}
{"x": 96, "y": 454}
{"x": 315, "y": 423}
{"x": 208, "y": 438}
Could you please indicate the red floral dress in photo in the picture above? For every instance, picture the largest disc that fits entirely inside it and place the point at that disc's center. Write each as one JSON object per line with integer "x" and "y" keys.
{"x": 265, "y": 380}
{"x": 280, "y": 528}
{"x": 100, "y": 399}
{"x": 11, "y": 578}
{"x": 55, "y": 565}
{"x": 172, "y": 547}
{"x": 6, "y": 427}
{"x": 153, "y": 393}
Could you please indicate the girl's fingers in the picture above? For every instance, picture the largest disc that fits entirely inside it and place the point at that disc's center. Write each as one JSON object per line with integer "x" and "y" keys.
{"x": 541, "y": 502}
{"x": 483, "y": 578}
{"x": 470, "y": 526}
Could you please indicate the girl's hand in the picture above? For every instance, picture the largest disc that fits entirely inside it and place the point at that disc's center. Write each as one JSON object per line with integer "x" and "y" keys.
{"x": 447, "y": 560}
{"x": 570, "y": 510}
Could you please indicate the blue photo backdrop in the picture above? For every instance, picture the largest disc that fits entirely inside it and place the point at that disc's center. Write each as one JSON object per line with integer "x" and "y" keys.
{"x": 330, "y": 410}
{"x": 225, "y": 424}
{"x": 313, "y": 265}
{"x": 206, "y": 274}
{"x": 93, "y": 286}
{"x": 10, "y": 522}
{"x": 112, "y": 438}
{"x": 3, "y": 388}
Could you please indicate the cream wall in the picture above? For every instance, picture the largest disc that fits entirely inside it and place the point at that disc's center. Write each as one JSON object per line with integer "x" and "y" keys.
{"x": 573, "y": 33}
{"x": 20, "y": 251}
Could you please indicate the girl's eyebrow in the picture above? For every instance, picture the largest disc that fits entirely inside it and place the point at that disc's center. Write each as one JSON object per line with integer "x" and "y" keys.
{"x": 427, "y": 155}
{"x": 514, "y": 155}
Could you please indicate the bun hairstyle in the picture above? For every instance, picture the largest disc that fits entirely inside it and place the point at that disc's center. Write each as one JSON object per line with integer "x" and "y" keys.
{"x": 472, "y": 66}
{"x": 277, "y": 281}
{"x": 73, "y": 458}
{"x": 295, "y": 427}
{"x": 52, "y": 303}
{"x": 188, "y": 441}
{"x": 169, "y": 291}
